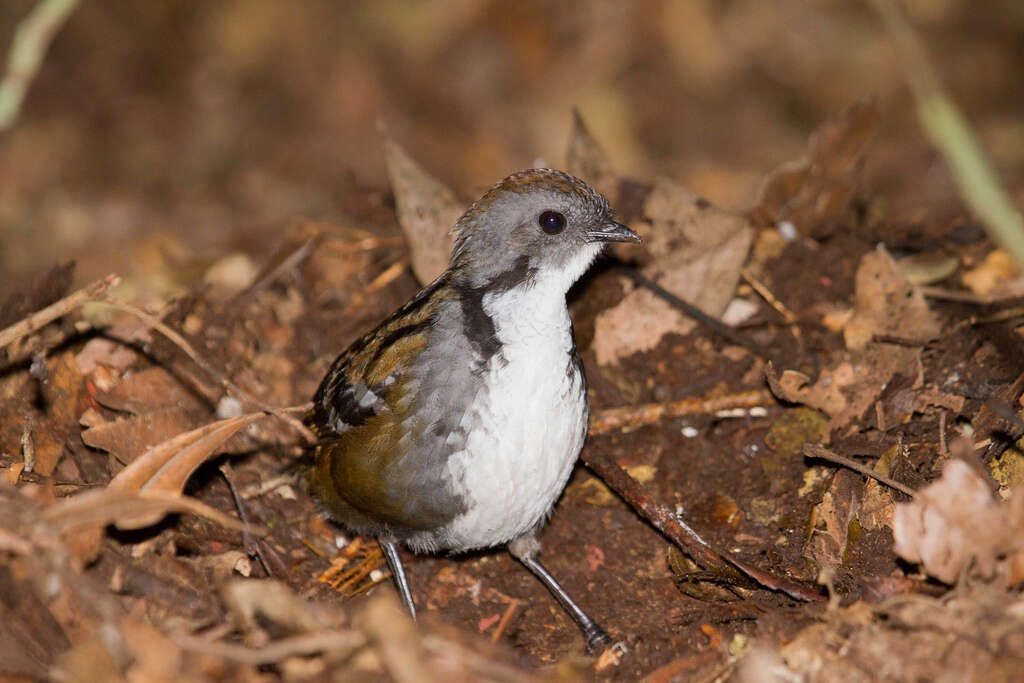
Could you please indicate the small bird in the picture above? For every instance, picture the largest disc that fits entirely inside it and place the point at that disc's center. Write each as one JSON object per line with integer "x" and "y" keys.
{"x": 455, "y": 424}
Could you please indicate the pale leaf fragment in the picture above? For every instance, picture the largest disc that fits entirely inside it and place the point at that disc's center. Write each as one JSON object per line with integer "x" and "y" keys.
{"x": 698, "y": 251}
{"x": 887, "y": 305}
{"x": 587, "y": 160}
{"x": 952, "y": 522}
{"x": 427, "y": 210}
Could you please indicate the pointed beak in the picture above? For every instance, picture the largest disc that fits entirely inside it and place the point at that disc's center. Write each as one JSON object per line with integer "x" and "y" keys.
{"x": 612, "y": 232}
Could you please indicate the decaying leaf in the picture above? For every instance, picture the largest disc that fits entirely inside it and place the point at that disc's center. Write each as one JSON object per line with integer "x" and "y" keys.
{"x": 167, "y": 466}
{"x": 998, "y": 276}
{"x": 148, "y": 390}
{"x": 63, "y": 388}
{"x": 427, "y": 211}
{"x": 955, "y": 522}
{"x": 586, "y": 159}
{"x": 698, "y": 251}
{"x": 146, "y": 490}
{"x": 127, "y": 438}
{"x": 817, "y": 189}
{"x": 886, "y": 305}
{"x": 833, "y": 517}
{"x": 847, "y": 388}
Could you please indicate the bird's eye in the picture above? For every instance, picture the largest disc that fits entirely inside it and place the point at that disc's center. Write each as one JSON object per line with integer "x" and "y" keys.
{"x": 551, "y": 222}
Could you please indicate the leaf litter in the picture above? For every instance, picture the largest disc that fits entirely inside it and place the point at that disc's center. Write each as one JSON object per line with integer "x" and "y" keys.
{"x": 128, "y": 423}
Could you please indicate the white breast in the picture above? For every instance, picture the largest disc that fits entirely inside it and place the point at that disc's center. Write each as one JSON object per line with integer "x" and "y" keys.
{"x": 526, "y": 429}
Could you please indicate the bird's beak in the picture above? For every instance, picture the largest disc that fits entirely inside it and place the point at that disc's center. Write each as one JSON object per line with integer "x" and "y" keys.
{"x": 612, "y": 232}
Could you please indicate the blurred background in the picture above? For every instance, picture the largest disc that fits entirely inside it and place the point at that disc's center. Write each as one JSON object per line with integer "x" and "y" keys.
{"x": 162, "y": 135}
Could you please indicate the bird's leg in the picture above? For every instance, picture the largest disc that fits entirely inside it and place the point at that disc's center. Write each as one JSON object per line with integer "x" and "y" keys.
{"x": 390, "y": 549}
{"x": 525, "y": 549}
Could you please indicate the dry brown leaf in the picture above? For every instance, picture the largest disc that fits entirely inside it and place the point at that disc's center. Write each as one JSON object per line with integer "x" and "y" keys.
{"x": 587, "y": 160}
{"x": 146, "y": 490}
{"x": 127, "y": 438}
{"x": 167, "y": 466}
{"x": 952, "y": 523}
{"x": 833, "y": 516}
{"x": 886, "y": 305}
{"x": 698, "y": 251}
{"x": 256, "y": 602}
{"x": 148, "y": 390}
{"x": 63, "y": 390}
{"x": 427, "y": 210}
{"x": 818, "y": 188}
{"x": 847, "y": 388}
{"x": 996, "y": 274}
{"x": 127, "y": 510}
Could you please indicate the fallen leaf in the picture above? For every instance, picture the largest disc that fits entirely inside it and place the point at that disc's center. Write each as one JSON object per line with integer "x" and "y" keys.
{"x": 833, "y": 516}
{"x": 587, "y": 160}
{"x": 63, "y": 391}
{"x": 995, "y": 273}
{"x": 697, "y": 252}
{"x": 127, "y": 438}
{"x": 847, "y": 388}
{"x": 148, "y": 390}
{"x": 951, "y": 523}
{"x": 887, "y": 305}
{"x": 817, "y": 189}
{"x": 427, "y": 210}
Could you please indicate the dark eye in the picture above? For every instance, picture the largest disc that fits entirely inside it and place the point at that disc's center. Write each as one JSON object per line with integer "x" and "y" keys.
{"x": 551, "y": 222}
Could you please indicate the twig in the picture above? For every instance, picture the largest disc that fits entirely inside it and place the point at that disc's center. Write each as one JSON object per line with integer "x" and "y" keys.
{"x": 277, "y": 651}
{"x": 40, "y": 319}
{"x": 677, "y": 531}
{"x": 821, "y": 453}
{"x": 767, "y": 295}
{"x": 183, "y": 344}
{"x": 688, "y": 309}
{"x": 965, "y": 297}
{"x": 291, "y": 261}
{"x": 252, "y": 548}
{"x": 943, "y": 446}
{"x": 604, "y": 421}
{"x": 513, "y": 605}
{"x": 998, "y": 316}
{"x": 951, "y": 134}
{"x": 31, "y": 39}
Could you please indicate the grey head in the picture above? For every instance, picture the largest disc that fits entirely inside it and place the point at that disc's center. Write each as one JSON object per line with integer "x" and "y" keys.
{"x": 535, "y": 225}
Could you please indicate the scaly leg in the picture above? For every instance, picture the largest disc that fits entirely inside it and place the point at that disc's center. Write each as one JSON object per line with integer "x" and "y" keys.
{"x": 390, "y": 549}
{"x": 525, "y": 549}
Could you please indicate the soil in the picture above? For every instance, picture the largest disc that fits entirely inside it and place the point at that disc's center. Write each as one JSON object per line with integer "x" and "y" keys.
{"x": 171, "y": 143}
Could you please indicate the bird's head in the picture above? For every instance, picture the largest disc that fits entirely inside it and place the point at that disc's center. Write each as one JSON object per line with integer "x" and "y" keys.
{"x": 538, "y": 224}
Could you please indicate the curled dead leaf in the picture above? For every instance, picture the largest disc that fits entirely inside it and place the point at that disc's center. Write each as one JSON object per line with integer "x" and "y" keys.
{"x": 887, "y": 305}
{"x": 426, "y": 210}
{"x": 954, "y": 522}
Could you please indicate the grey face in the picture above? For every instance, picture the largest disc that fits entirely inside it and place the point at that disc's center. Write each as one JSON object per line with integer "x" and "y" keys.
{"x": 532, "y": 223}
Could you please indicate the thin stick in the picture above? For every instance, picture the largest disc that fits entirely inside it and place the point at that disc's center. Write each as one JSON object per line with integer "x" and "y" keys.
{"x": 336, "y": 642}
{"x": 820, "y": 452}
{"x": 1005, "y": 314}
{"x": 40, "y": 319}
{"x": 767, "y": 295}
{"x": 943, "y": 446}
{"x": 689, "y": 310}
{"x": 251, "y": 547}
{"x": 965, "y": 297}
{"x": 183, "y": 344}
{"x": 677, "y": 531}
{"x": 609, "y": 419}
{"x": 513, "y": 605}
{"x": 31, "y": 39}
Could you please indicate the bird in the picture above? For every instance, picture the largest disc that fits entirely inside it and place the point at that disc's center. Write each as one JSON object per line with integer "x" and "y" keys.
{"x": 454, "y": 424}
